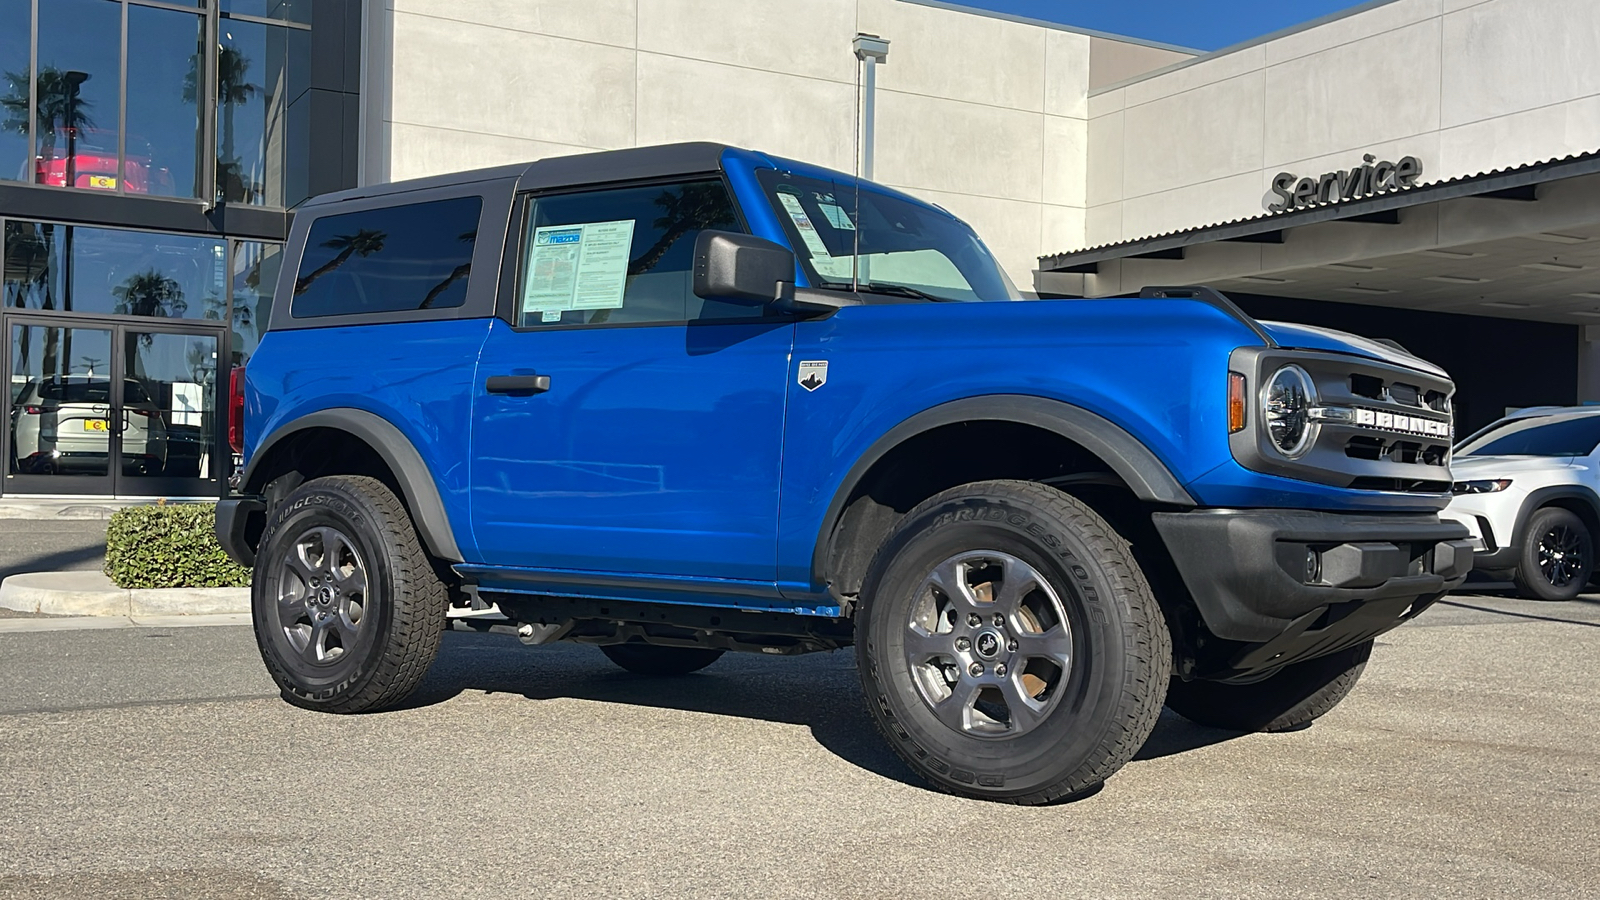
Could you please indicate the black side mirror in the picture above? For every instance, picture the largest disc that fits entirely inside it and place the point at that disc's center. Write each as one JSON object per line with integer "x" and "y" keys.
{"x": 740, "y": 268}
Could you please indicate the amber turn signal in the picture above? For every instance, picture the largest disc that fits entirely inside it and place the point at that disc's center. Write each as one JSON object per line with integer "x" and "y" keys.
{"x": 1235, "y": 402}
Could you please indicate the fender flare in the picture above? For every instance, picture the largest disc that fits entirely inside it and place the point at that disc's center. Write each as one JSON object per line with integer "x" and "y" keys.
{"x": 1542, "y": 497}
{"x": 420, "y": 492}
{"x": 1131, "y": 460}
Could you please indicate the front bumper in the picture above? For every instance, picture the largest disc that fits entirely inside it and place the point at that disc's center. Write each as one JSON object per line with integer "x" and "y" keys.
{"x": 239, "y": 522}
{"x": 1295, "y": 584}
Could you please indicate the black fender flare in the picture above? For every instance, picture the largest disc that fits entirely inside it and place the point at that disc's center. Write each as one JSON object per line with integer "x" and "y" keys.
{"x": 421, "y": 493}
{"x": 1131, "y": 460}
{"x": 1543, "y": 497}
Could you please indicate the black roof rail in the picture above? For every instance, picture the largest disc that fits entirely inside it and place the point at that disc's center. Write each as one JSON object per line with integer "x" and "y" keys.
{"x": 1213, "y": 297}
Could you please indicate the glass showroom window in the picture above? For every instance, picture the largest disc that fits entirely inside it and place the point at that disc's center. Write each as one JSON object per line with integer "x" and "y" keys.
{"x": 16, "y": 87}
{"x": 255, "y": 273}
{"x": 90, "y": 116}
{"x": 262, "y": 69}
{"x": 109, "y": 271}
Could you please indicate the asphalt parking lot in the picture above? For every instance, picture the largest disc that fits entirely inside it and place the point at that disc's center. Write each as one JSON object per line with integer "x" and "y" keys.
{"x": 157, "y": 762}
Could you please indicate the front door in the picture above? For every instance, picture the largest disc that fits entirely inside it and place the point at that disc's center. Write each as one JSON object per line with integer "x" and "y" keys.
{"x": 108, "y": 408}
{"x": 624, "y": 426}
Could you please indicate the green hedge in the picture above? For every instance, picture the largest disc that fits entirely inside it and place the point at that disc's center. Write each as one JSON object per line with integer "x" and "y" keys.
{"x": 169, "y": 547}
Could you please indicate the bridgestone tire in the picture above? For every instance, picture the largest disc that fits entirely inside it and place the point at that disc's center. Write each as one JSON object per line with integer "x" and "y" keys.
{"x": 402, "y": 600}
{"x": 1283, "y": 701}
{"x": 649, "y": 659}
{"x": 1103, "y": 703}
{"x": 1530, "y": 578}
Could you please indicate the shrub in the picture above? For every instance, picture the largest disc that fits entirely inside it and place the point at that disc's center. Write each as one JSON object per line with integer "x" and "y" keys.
{"x": 169, "y": 547}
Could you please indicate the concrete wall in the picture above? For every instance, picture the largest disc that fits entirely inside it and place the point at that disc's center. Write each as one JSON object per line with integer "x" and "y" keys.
{"x": 1466, "y": 85}
{"x": 982, "y": 115}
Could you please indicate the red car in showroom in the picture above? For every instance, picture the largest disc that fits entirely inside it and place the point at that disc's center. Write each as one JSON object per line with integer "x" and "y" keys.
{"x": 87, "y": 158}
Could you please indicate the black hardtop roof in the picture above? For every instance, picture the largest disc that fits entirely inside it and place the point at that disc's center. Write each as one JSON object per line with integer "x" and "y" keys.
{"x": 558, "y": 171}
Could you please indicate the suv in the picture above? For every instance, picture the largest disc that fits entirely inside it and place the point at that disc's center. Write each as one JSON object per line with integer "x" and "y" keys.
{"x": 681, "y": 400}
{"x": 1526, "y": 489}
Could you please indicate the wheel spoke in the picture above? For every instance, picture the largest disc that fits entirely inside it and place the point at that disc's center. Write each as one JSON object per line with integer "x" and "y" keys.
{"x": 951, "y": 580}
{"x": 348, "y": 631}
{"x": 922, "y": 646}
{"x": 1018, "y": 580}
{"x": 1054, "y": 645}
{"x": 312, "y": 652}
{"x": 1026, "y": 712}
{"x": 952, "y": 711}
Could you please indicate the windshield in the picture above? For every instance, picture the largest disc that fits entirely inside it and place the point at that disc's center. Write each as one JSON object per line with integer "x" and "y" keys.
{"x": 905, "y": 248}
{"x": 1536, "y": 436}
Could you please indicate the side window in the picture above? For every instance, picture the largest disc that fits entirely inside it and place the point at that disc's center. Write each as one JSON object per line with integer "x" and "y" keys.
{"x": 392, "y": 259}
{"x": 622, "y": 256}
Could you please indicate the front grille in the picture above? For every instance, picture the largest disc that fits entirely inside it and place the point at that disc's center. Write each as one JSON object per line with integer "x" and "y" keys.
{"x": 1382, "y": 427}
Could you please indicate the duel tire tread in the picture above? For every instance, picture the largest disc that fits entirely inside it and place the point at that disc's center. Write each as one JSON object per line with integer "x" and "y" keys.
{"x": 1144, "y": 636}
{"x": 416, "y": 598}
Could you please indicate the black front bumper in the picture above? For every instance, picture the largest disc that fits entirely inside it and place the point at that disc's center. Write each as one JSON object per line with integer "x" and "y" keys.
{"x": 1295, "y": 584}
{"x": 239, "y": 522}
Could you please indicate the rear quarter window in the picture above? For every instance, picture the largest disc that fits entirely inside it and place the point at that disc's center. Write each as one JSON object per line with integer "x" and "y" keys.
{"x": 398, "y": 258}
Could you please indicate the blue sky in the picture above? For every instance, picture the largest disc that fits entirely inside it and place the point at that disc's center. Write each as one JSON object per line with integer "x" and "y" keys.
{"x": 1202, "y": 24}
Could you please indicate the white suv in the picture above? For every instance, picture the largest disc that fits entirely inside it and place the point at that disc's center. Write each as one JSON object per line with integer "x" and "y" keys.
{"x": 63, "y": 424}
{"x": 1528, "y": 487}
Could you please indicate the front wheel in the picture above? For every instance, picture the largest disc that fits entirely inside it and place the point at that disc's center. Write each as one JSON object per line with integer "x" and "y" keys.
{"x": 1557, "y": 556}
{"x": 1289, "y": 698}
{"x": 348, "y": 608}
{"x": 1008, "y": 644}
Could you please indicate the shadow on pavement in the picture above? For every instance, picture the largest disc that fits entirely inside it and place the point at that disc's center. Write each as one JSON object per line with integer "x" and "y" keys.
{"x": 53, "y": 562}
{"x": 819, "y": 691}
{"x": 1460, "y": 604}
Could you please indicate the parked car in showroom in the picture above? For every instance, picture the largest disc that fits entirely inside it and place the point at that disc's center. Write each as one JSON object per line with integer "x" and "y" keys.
{"x": 87, "y": 158}
{"x": 63, "y": 424}
{"x": 1526, "y": 487}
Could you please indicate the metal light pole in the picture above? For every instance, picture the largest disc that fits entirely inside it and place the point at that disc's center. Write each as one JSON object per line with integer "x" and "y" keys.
{"x": 74, "y": 81}
{"x": 870, "y": 50}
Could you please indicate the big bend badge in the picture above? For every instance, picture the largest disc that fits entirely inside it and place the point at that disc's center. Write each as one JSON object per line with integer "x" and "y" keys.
{"x": 813, "y": 374}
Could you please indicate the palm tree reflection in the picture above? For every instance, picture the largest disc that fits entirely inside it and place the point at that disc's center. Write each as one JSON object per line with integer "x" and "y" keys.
{"x": 363, "y": 243}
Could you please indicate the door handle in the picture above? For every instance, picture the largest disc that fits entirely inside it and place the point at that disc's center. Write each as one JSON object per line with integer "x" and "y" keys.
{"x": 517, "y": 384}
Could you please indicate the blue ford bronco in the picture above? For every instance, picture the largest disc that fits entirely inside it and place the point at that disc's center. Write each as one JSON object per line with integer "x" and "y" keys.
{"x": 680, "y": 400}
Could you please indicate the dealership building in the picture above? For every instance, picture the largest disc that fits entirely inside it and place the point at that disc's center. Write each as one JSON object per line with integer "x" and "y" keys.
{"x": 1419, "y": 170}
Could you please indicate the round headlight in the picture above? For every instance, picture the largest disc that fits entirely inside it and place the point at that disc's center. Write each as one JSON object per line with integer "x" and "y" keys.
{"x": 1286, "y": 410}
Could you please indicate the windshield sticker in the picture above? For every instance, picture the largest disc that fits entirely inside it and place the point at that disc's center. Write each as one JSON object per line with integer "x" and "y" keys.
{"x": 582, "y": 266}
{"x": 837, "y": 217}
{"x": 824, "y": 262}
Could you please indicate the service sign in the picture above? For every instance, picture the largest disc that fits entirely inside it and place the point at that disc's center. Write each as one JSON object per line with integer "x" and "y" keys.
{"x": 1372, "y": 177}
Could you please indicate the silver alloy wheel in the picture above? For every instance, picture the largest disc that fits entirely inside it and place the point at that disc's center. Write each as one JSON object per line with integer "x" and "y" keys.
{"x": 989, "y": 644}
{"x": 322, "y": 595}
{"x": 1561, "y": 554}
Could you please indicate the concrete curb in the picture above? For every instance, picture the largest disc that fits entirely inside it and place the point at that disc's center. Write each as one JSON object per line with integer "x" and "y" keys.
{"x": 102, "y": 623}
{"x": 92, "y": 594}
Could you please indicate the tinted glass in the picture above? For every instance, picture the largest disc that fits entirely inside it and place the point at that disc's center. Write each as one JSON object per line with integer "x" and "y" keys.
{"x": 622, "y": 256}
{"x": 286, "y": 10}
{"x": 117, "y": 272}
{"x": 164, "y": 136}
{"x": 169, "y": 398}
{"x": 79, "y": 83}
{"x": 386, "y": 260}
{"x": 15, "y": 86}
{"x": 1537, "y": 437}
{"x": 255, "y": 274}
{"x": 260, "y": 69}
{"x": 882, "y": 241}
{"x": 51, "y": 366}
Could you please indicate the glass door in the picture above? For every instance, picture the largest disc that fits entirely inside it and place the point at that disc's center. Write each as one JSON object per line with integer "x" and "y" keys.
{"x": 63, "y": 421}
{"x": 112, "y": 409}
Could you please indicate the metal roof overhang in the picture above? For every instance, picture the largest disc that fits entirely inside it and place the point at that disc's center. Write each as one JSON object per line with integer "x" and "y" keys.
{"x": 1518, "y": 184}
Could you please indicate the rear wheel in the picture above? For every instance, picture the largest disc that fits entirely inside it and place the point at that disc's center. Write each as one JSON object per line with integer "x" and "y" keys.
{"x": 649, "y": 659}
{"x": 1009, "y": 647}
{"x": 1557, "y": 556}
{"x": 1289, "y": 698}
{"x": 348, "y": 608}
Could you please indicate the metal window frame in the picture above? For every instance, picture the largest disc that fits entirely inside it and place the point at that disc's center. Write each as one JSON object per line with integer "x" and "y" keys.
{"x": 33, "y": 90}
{"x": 122, "y": 107}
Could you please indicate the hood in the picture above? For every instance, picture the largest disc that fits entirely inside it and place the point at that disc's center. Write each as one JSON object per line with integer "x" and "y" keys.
{"x": 1466, "y": 468}
{"x": 1310, "y": 337}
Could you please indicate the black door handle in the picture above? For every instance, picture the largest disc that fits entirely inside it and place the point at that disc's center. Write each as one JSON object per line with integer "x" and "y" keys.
{"x": 518, "y": 384}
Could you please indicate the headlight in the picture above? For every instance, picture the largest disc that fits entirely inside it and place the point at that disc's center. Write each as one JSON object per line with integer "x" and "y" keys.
{"x": 1480, "y": 487}
{"x": 1286, "y": 409}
